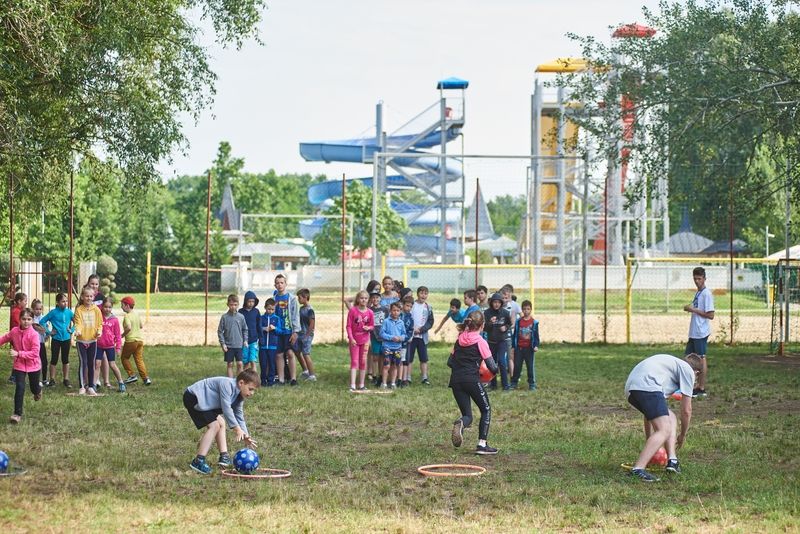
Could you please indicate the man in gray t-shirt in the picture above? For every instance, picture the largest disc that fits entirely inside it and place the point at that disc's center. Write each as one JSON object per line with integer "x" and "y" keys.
{"x": 647, "y": 388}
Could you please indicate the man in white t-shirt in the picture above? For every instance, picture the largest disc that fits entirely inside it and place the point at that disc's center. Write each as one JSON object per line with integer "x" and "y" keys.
{"x": 702, "y": 310}
{"x": 647, "y": 388}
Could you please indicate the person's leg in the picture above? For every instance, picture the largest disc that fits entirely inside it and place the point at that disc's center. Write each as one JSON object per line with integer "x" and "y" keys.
{"x": 55, "y": 349}
{"x": 672, "y": 439}
{"x": 387, "y": 362}
{"x": 481, "y": 399}
{"x": 128, "y": 349}
{"x": 34, "y": 380}
{"x": 91, "y": 354}
{"x": 229, "y": 368}
{"x": 138, "y": 357}
{"x": 464, "y": 406}
{"x": 502, "y": 362}
{"x": 518, "y": 355}
{"x": 43, "y": 359}
{"x": 279, "y": 365}
{"x": 65, "y": 348}
{"x": 273, "y": 371}
{"x": 19, "y": 391}
{"x": 222, "y": 442}
{"x": 111, "y": 355}
{"x": 530, "y": 363}
{"x": 98, "y": 362}
{"x": 354, "y": 364}
{"x": 208, "y": 437}
{"x": 657, "y": 439}
{"x": 362, "y": 363}
{"x": 701, "y": 379}
{"x": 103, "y": 369}
{"x": 510, "y": 355}
{"x": 423, "y": 359}
{"x": 393, "y": 374}
{"x": 82, "y": 361}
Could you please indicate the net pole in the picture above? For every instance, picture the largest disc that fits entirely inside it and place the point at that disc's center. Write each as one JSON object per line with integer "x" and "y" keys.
{"x": 344, "y": 237}
{"x": 477, "y": 217}
{"x": 208, "y": 233}
{"x": 71, "y": 234}
{"x": 11, "y": 288}
{"x": 730, "y": 245}
{"x": 787, "y": 244}
{"x": 147, "y": 286}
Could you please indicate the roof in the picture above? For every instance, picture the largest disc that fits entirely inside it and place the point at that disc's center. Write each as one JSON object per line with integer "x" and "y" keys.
{"x": 228, "y": 214}
{"x": 480, "y": 210}
{"x": 452, "y": 83}
{"x": 285, "y": 250}
{"x": 718, "y": 247}
{"x": 634, "y": 30}
{"x": 794, "y": 253}
{"x": 686, "y": 243}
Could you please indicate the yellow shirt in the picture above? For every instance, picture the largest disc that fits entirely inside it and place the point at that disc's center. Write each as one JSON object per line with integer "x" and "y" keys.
{"x": 88, "y": 322}
{"x": 132, "y": 322}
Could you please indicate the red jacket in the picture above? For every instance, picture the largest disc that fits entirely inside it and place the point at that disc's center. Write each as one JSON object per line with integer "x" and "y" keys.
{"x": 26, "y": 343}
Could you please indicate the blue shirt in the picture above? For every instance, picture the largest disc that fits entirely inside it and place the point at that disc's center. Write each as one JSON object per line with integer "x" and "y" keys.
{"x": 393, "y": 328}
{"x": 252, "y": 317}
{"x": 408, "y": 322}
{"x": 60, "y": 321}
{"x": 269, "y": 340}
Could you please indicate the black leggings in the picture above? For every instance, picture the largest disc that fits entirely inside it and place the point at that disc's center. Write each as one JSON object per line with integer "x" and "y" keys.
{"x": 19, "y": 388}
{"x": 43, "y": 359}
{"x": 56, "y": 347}
{"x": 466, "y": 391}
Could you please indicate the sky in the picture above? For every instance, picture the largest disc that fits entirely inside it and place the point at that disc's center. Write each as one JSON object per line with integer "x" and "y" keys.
{"x": 324, "y": 65}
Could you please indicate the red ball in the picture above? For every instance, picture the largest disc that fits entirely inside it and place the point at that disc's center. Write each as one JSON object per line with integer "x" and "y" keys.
{"x": 677, "y": 395}
{"x": 485, "y": 374}
{"x": 659, "y": 458}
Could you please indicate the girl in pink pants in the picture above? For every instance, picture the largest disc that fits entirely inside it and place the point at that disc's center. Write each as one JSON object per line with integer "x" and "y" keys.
{"x": 360, "y": 323}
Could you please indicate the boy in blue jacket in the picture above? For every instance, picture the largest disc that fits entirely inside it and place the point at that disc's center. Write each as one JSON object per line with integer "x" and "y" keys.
{"x": 253, "y": 318}
{"x": 393, "y": 335}
{"x": 215, "y": 403}
{"x": 526, "y": 343}
{"x": 268, "y": 343}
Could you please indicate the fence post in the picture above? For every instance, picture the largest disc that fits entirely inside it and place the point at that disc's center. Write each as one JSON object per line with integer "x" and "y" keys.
{"x": 533, "y": 298}
{"x": 147, "y": 288}
{"x": 628, "y": 298}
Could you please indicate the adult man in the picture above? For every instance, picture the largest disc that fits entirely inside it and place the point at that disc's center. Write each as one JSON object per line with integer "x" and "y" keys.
{"x": 647, "y": 388}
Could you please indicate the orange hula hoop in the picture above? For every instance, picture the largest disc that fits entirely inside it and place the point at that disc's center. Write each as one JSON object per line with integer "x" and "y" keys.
{"x": 261, "y": 472}
{"x": 433, "y": 470}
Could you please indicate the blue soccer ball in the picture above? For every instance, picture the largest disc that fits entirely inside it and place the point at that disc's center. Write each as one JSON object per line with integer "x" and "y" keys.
{"x": 246, "y": 461}
{"x": 3, "y": 462}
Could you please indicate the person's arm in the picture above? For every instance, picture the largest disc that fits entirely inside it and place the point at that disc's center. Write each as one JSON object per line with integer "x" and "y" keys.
{"x": 348, "y": 302}
{"x": 441, "y": 323}
{"x": 515, "y": 335}
{"x": 117, "y": 336}
{"x": 245, "y": 331}
{"x": 686, "y": 419}
{"x": 429, "y": 323}
{"x": 384, "y": 333}
{"x": 536, "y": 341}
{"x": 294, "y": 309}
{"x": 221, "y": 334}
{"x": 349, "y": 328}
{"x": 486, "y": 354}
{"x": 5, "y": 338}
{"x": 312, "y": 323}
{"x": 29, "y": 350}
{"x": 98, "y": 316}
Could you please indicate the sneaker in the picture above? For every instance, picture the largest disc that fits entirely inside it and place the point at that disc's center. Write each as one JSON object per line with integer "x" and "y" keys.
{"x": 701, "y": 394}
{"x": 122, "y": 388}
{"x": 392, "y": 386}
{"x": 14, "y": 419}
{"x": 532, "y": 387}
{"x": 293, "y": 382}
{"x": 402, "y": 384}
{"x": 377, "y": 381}
{"x": 91, "y": 392}
{"x": 41, "y": 384}
{"x": 50, "y": 383}
{"x": 384, "y": 386}
{"x": 363, "y": 388}
{"x": 312, "y": 378}
{"x": 673, "y": 466}
{"x": 11, "y": 379}
{"x": 458, "y": 433}
{"x": 67, "y": 384}
{"x": 506, "y": 388}
{"x": 200, "y": 466}
{"x": 131, "y": 379}
{"x": 352, "y": 389}
{"x": 225, "y": 460}
{"x": 82, "y": 391}
{"x": 426, "y": 381}
{"x": 97, "y": 386}
{"x": 304, "y": 375}
{"x": 643, "y": 475}
{"x": 147, "y": 381}
{"x": 485, "y": 450}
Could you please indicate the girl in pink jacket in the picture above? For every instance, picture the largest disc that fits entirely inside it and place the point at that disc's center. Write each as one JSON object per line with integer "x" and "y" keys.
{"x": 25, "y": 351}
{"x": 360, "y": 322}
{"x": 109, "y": 344}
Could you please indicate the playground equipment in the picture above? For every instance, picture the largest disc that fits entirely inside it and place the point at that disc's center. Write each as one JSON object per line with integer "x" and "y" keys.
{"x": 430, "y": 175}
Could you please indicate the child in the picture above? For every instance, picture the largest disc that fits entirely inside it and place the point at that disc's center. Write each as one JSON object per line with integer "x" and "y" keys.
{"x": 253, "y": 318}
{"x": 379, "y": 313}
{"x": 464, "y": 361}
{"x": 93, "y": 283}
{"x": 393, "y": 334}
{"x": 498, "y": 322}
{"x": 482, "y": 293}
{"x": 20, "y": 303}
{"x": 36, "y": 307}
{"x": 389, "y": 295}
{"x": 109, "y": 343}
{"x": 514, "y": 311}
{"x": 214, "y": 402}
{"x": 60, "y": 331}
{"x": 408, "y": 324}
{"x": 25, "y": 351}
{"x": 423, "y": 321}
{"x": 88, "y": 328}
{"x": 134, "y": 343}
{"x": 360, "y": 322}
{"x": 268, "y": 343}
{"x": 526, "y": 344}
{"x": 454, "y": 313}
{"x": 286, "y": 308}
{"x": 702, "y": 310}
{"x": 232, "y": 333}
{"x": 308, "y": 322}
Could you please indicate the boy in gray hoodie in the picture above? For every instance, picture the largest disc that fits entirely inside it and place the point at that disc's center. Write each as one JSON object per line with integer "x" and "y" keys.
{"x": 232, "y": 332}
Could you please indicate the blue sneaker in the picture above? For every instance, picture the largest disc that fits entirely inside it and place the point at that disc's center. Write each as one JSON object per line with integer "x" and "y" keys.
{"x": 643, "y": 475}
{"x": 200, "y": 466}
{"x": 122, "y": 387}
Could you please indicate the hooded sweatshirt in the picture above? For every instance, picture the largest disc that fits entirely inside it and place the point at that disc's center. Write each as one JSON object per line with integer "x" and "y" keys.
{"x": 26, "y": 343}
{"x": 252, "y": 318}
{"x": 501, "y": 318}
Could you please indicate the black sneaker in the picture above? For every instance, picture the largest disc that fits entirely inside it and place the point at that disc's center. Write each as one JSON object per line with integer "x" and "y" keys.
{"x": 643, "y": 475}
{"x": 485, "y": 450}
{"x": 67, "y": 384}
{"x": 458, "y": 433}
{"x": 131, "y": 379}
{"x": 673, "y": 466}
{"x": 293, "y": 382}
{"x": 200, "y": 466}
{"x": 50, "y": 383}
{"x": 224, "y": 460}
{"x": 701, "y": 394}
{"x": 426, "y": 381}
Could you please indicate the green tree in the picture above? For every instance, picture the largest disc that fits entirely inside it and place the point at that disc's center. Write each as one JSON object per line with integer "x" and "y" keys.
{"x": 507, "y": 212}
{"x": 714, "y": 95}
{"x": 390, "y": 231}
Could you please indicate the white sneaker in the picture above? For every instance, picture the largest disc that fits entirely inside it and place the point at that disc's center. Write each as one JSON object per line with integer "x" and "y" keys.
{"x": 91, "y": 392}
{"x": 312, "y": 378}
{"x": 305, "y": 375}
{"x": 81, "y": 391}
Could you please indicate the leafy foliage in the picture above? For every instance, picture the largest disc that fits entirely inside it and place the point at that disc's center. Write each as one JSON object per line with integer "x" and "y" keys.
{"x": 507, "y": 212}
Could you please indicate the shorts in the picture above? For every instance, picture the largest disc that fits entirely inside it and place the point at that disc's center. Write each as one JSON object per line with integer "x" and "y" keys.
{"x": 250, "y": 352}
{"x": 302, "y": 345}
{"x": 201, "y": 418}
{"x": 417, "y": 344}
{"x": 652, "y": 404}
{"x": 233, "y": 354}
{"x": 375, "y": 347}
{"x": 697, "y": 345}
{"x": 282, "y": 343}
{"x": 110, "y": 354}
{"x": 392, "y": 356}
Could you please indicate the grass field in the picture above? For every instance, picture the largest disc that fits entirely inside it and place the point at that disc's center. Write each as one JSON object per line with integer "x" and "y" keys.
{"x": 120, "y": 462}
